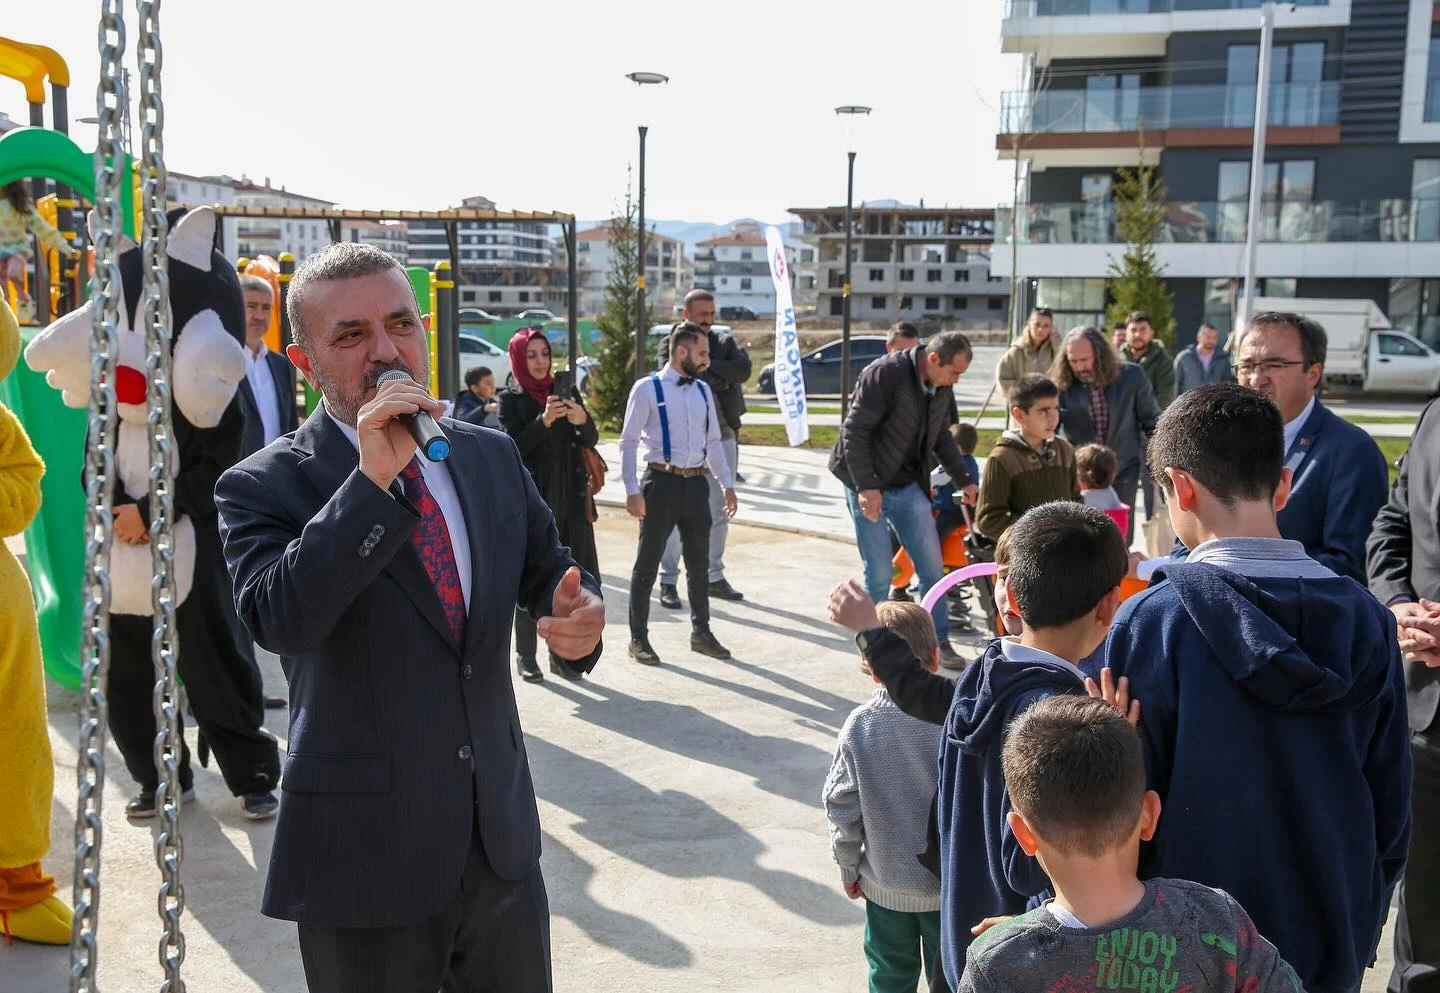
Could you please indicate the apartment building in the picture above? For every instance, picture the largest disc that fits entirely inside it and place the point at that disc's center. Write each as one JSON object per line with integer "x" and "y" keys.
{"x": 907, "y": 263}
{"x": 1351, "y": 184}
{"x": 669, "y": 273}
{"x": 504, "y": 267}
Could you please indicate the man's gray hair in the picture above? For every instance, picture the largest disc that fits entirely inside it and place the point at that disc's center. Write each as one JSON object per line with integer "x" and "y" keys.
{"x": 337, "y": 260}
{"x": 948, "y": 344}
{"x": 249, "y": 282}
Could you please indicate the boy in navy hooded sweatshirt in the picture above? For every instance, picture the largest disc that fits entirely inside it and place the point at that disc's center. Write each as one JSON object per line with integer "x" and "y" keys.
{"x": 1275, "y": 724}
{"x": 1066, "y": 564}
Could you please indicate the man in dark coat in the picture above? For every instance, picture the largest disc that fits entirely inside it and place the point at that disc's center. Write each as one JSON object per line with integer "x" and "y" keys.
{"x": 1403, "y": 560}
{"x": 1105, "y": 401}
{"x": 408, "y": 842}
{"x": 728, "y": 372}
{"x": 897, "y": 428}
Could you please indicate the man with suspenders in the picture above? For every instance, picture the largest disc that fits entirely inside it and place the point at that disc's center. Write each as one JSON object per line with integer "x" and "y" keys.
{"x": 673, "y": 415}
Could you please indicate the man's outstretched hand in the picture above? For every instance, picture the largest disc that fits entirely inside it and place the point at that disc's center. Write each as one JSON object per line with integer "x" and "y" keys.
{"x": 852, "y": 608}
{"x": 576, "y": 621}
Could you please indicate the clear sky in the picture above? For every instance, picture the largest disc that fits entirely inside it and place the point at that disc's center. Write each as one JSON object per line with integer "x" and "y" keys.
{"x": 387, "y": 105}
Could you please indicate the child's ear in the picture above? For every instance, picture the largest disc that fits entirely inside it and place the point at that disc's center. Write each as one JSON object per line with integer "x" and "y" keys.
{"x": 1023, "y": 835}
{"x": 1108, "y": 606}
{"x": 1149, "y": 815}
{"x": 1186, "y": 491}
{"x": 935, "y": 659}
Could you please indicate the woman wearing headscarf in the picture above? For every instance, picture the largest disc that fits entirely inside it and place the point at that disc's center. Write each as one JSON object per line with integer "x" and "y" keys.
{"x": 550, "y": 432}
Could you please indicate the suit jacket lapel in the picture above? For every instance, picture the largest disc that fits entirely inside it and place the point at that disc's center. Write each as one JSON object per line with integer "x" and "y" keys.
{"x": 284, "y": 390}
{"x": 476, "y": 492}
{"x": 330, "y": 460}
{"x": 1305, "y": 440}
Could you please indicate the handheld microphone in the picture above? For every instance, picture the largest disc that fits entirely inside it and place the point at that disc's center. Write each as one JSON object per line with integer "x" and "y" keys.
{"x": 422, "y": 427}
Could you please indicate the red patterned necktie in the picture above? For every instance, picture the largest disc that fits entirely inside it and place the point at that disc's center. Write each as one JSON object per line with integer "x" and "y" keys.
{"x": 432, "y": 541}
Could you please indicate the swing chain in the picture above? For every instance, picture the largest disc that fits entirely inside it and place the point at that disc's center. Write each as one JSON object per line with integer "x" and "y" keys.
{"x": 169, "y": 844}
{"x": 107, "y": 295}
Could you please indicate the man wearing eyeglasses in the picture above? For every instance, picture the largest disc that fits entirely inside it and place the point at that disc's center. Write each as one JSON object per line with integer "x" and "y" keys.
{"x": 1340, "y": 478}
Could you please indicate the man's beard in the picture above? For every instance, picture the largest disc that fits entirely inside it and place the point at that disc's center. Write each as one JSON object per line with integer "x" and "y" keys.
{"x": 691, "y": 368}
{"x": 344, "y": 405}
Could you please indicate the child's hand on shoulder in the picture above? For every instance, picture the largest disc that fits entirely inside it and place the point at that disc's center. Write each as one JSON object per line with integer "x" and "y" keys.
{"x": 1115, "y": 694}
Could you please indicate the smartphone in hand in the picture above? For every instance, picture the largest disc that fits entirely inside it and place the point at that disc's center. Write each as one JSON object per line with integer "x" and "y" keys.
{"x": 562, "y": 384}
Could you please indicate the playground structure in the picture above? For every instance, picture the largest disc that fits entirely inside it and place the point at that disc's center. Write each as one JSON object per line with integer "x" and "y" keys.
{"x": 69, "y": 544}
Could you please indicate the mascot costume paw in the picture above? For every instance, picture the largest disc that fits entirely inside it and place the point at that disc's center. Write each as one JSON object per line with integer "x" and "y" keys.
{"x": 29, "y": 909}
{"x": 207, "y": 326}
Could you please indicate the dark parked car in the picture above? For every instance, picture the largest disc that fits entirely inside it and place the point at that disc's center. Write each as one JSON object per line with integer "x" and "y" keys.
{"x": 737, "y": 314}
{"x": 822, "y": 366}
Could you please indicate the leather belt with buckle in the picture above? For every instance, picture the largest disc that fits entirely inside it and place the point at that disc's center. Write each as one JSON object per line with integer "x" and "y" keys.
{"x": 675, "y": 470}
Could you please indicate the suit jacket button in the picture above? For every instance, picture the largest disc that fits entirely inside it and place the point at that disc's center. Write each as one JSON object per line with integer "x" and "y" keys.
{"x": 468, "y": 671}
{"x": 377, "y": 532}
{"x": 464, "y": 752}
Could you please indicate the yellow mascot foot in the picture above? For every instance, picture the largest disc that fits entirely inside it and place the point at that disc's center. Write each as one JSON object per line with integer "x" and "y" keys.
{"x": 45, "y": 923}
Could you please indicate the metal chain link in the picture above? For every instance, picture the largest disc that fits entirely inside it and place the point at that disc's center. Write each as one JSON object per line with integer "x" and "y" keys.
{"x": 107, "y": 296}
{"x": 169, "y": 844}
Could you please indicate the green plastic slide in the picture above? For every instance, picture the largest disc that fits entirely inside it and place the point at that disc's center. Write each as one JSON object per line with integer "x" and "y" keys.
{"x": 55, "y": 541}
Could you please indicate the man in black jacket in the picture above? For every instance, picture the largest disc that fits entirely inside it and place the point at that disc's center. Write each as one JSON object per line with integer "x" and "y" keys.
{"x": 897, "y": 427}
{"x": 1403, "y": 562}
{"x": 728, "y": 372}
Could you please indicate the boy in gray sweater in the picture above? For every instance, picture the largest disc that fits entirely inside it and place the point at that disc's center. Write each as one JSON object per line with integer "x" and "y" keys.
{"x": 877, "y": 798}
{"x": 1076, "y": 776}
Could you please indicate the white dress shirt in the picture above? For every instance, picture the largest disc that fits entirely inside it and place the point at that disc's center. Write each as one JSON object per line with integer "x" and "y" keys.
{"x": 1013, "y": 650}
{"x": 1292, "y": 428}
{"x": 262, "y": 387}
{"x": 691, "y": 444}
{"x": 442, "y": 488}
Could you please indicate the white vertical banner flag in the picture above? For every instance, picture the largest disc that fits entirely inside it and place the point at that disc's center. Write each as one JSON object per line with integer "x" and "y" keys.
{"x": 789, "y": 377}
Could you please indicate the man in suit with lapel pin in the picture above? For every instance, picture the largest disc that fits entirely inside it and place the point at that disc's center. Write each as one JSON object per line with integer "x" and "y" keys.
{"x": 408, "y": 842}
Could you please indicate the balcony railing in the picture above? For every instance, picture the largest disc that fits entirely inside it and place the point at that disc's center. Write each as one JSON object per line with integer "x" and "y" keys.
{"x": 1085, "y": 8}
{"x": 1158, "y": 107}
{"x": 1199, "y": 222}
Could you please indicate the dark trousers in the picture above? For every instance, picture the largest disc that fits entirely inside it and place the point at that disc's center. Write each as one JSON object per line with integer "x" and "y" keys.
{"x": 672, "y": 503}
{"x": 492, "y": 937}
{"x": 1417, "y": 921}
{"x": 1147, "y": 492}
{"x": 221, "y": 683}
{"x": 1125, "y": 486}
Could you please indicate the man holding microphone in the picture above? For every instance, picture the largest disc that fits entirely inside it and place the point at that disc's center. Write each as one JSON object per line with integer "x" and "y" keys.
{"x": 408, "y": 839}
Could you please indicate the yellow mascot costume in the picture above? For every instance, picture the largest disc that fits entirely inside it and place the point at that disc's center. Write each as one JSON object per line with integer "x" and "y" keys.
{"x": 29, "y": 909}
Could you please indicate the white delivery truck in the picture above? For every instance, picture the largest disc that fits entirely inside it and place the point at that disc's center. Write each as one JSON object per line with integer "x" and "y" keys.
{"x": 1364, "y": 351}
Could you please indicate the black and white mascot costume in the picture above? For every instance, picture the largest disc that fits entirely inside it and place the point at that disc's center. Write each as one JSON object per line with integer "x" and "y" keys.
{"x": 221, "y": 681}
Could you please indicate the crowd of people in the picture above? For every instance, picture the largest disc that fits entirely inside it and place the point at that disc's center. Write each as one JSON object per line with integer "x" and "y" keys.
{"x": 1206, "y": 785}
{"x": 1235, "y": 809}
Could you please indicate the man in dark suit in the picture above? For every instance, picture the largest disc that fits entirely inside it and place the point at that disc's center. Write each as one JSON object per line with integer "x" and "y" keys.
{"x": 1403, "y": 560}
{"x": 408, "y": 841}
{"x": 267, "y": 393}
{"x": 1340, "y": 478}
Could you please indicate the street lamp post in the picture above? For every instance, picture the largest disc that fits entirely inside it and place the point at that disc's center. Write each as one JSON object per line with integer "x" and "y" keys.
{"x": 849, "y": 113}
{"x": 642, "y": 79}
{"x": 1257, "y": 166}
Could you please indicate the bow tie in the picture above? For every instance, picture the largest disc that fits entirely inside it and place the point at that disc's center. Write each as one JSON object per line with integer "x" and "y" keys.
{"x": 685, "y": 380}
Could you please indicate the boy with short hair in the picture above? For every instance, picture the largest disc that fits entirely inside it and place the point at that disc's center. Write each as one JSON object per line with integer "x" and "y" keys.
{"x": 877, "y": 801}
{"x": 1066, "y": 564}
{"x": 948, "y": 515}
{"x": 1275, "y": 711}
{"x": 1076, "y": 774}
{"x": 1028, "y": 465}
